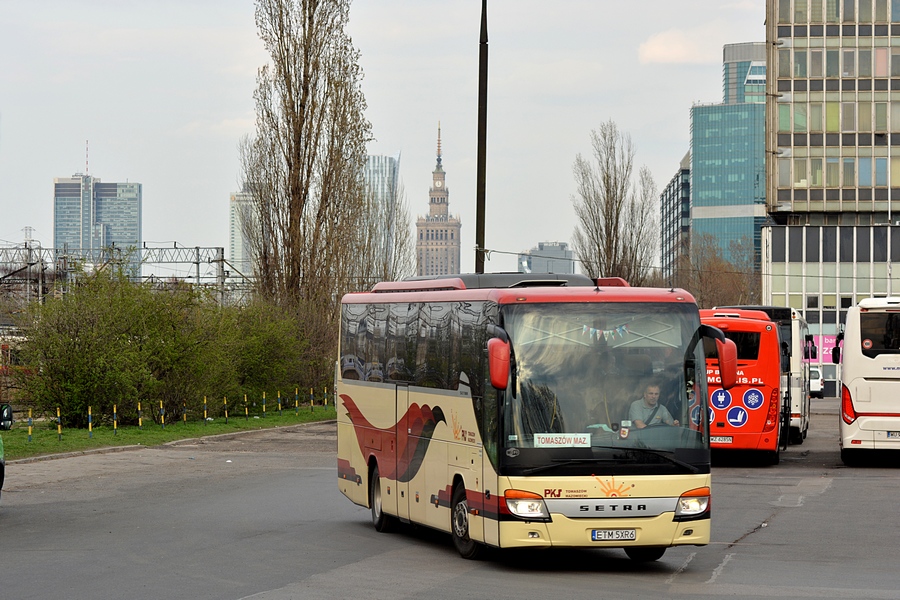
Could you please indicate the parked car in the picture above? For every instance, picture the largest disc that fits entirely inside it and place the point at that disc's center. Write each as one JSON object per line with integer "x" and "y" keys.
{"x": 816, "y": 382}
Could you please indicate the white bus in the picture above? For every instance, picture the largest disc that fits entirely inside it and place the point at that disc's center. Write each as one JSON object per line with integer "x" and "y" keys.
{"x": 870, "y": 378}
{"x": 799, "y": 350}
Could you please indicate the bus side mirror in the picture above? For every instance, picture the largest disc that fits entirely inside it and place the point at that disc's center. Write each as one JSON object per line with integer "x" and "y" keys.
{"x": 727, "y": 352}
{"x": 836, "y": 355}
{"x": 6, "y": 417}
{"x": 498, "y": 362}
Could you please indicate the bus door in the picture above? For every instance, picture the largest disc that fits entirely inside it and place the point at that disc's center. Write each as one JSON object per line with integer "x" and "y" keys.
{"x": 403, "y": 457}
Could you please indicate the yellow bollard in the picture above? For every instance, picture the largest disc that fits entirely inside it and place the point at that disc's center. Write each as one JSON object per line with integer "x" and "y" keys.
{"x": 58, "y": 425}
{"x": 90, "y": 424}
{"x": 225, "y": 401}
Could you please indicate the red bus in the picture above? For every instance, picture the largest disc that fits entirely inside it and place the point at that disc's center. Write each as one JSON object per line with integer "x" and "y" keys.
{"x": 750, "y": 415}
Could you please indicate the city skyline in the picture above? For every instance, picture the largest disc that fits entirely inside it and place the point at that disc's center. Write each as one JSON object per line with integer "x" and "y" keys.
{"x": 164, "y": 93}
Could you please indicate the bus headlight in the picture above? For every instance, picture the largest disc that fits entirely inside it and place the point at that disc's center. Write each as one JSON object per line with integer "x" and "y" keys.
{"x": 526, "y": 505}
{"x": 693, "y": 504}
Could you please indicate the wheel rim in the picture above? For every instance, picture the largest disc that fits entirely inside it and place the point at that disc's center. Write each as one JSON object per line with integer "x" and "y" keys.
{"x": 376, "y": 499}
{"x": 461, "y": 520}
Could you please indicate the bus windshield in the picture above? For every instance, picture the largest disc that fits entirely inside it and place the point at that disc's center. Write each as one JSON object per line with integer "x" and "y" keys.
{"x": 603, "y": 376}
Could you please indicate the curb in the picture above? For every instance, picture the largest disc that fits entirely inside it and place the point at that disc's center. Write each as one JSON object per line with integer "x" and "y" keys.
{"x": 186, "y": 441}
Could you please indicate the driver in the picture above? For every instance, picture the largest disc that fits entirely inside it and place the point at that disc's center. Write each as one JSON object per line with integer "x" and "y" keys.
{"x": 648, "y": 411}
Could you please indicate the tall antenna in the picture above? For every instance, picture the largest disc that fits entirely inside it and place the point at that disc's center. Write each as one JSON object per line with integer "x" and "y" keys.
{"x": 86, "y": 157}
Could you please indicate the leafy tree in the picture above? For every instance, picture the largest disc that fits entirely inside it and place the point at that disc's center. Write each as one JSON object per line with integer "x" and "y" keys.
{"x": 304, "y": 164}
{"x": 618, "y": 228}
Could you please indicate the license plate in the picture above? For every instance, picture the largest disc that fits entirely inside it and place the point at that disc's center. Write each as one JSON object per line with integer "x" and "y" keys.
{"x": 607, "y": 535}
{"x": 893, "y": 435}
{"x": 720, "y": 439}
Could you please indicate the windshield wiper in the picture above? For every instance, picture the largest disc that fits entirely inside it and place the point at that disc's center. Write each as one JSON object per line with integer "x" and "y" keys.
{"x": 561, "y": 462}
{"x": 665, "y": 455}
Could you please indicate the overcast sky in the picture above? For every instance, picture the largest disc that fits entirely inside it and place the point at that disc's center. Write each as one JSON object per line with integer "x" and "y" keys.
{"x": 162, "y": 93}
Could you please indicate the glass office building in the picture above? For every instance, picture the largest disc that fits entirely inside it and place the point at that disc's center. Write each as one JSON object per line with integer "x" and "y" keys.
{"x": 833, "y": 117}
{"x": 728, "y": 156}
{"x": 675, "y": 220}
{"x": 90, "y": 216}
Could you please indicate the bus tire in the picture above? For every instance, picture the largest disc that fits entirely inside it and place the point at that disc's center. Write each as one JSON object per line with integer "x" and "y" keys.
{"x": 383, "y": 523}
{"x": 459, "y": 524}
{"x": 645, "y": 554}
{"x": 850, "y": 458}
{"x": 796, "y": 436}
{"x": 773, "y": 457}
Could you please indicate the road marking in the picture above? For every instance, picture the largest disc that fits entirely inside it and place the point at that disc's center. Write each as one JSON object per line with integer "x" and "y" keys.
{"x": 718, "y": 570}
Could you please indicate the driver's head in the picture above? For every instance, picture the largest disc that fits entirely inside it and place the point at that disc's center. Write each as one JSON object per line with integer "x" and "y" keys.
{"x": 651, "y": 393}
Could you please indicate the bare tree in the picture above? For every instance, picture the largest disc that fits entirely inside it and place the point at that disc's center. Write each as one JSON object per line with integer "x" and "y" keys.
{"x": 387, "y": 249}
{"x": 618, "y": 229}
{"x": 716, "y": 281}
{"x": 304, "y": 165}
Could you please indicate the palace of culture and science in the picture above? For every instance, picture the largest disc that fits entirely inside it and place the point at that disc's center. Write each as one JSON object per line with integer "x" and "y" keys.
{"x": 437, "y": 235}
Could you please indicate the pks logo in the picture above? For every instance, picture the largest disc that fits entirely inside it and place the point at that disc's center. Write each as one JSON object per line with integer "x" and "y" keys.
{"x": 552, "y": 493}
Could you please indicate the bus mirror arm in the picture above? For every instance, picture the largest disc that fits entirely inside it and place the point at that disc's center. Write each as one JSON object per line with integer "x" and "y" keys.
{"x": 498, "y": 362}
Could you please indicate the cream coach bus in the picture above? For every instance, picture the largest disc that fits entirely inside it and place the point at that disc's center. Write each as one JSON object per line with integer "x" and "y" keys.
{"x": 506, "y": 414}
{"x": 870, "y": 378}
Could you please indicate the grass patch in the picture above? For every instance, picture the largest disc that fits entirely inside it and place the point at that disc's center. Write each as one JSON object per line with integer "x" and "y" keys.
{"x": 45, "y": 440}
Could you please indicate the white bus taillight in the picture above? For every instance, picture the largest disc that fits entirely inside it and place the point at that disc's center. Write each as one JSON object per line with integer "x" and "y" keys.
{"x": 848, "y": 413}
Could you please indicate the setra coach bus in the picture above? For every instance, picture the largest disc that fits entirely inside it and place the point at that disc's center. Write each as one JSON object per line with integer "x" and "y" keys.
{"x": 752, "y": 415}
{"x": 504, "y": 414}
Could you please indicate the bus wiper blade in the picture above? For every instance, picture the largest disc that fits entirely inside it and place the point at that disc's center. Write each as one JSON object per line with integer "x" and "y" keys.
{"x": 665, "y": 455}
{"x": 559, "y": 462}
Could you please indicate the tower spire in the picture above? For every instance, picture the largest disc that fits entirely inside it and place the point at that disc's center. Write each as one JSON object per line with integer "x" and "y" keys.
{"x": 439, "y": 144}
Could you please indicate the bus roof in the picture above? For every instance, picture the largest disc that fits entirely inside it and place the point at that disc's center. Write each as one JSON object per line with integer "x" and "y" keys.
{"x": 776, "y": 313}
{"x": 879, "y": 303}
{"x": 735, "y": 313}
{"x": 514, "y": 287}
{"x": 472, "y": 281}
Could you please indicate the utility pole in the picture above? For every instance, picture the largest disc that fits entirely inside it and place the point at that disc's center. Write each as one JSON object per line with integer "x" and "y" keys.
{"x": 482, "y": 141}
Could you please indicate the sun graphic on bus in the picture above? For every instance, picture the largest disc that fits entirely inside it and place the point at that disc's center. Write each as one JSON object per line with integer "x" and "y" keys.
{"x": 611, "y": 490}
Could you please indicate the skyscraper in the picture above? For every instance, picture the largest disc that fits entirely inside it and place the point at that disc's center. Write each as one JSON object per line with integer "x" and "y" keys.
{"x": 547, "y": 257}
{"x": 728, "y": 155}
{"x": 91, "y": 216}
{"x": 675, "y": 219}
{"x": 239, "y": 209}
{"x": 382, "y": 177}
{"x": 833, "y": 121}
{"x": 437, "y": 235}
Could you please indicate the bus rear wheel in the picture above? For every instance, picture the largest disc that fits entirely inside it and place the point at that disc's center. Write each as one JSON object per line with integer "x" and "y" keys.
{"x": 459, "y": 524}
{"x": 382, "y": 522}
{"x": 646, "y": 554}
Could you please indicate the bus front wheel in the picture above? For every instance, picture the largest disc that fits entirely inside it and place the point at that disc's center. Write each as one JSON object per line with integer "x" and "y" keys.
{"x": 382, "y": 522}
{"x": 459, "y": 524}
{"x": 646, "y": 554}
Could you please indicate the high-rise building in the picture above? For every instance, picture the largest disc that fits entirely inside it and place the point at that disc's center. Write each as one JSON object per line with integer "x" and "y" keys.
{"x": 382, "y": 178}
{"x": 240, "y": 207}
{"x": 675, "y": 219}
{"x": 728, "y": 156}
{"x": 437, "y": 234}
{"x": 91, "y": 216}
{"x": 547, "y": 257}
{"x": 833, "y": 121}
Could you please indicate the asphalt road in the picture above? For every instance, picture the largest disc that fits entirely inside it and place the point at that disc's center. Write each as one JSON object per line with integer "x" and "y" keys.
{"x": 259, "y": 516}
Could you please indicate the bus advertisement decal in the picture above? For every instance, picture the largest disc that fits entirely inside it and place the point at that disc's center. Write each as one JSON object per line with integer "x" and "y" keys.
{"x": 420, "y": 422}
